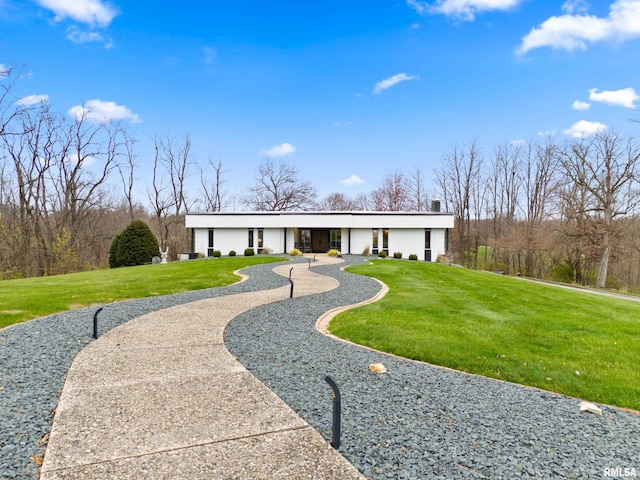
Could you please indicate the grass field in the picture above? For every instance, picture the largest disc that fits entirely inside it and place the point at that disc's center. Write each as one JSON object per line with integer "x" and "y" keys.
{"x": 567, "y": 341}
{"x": 25, "y": 299}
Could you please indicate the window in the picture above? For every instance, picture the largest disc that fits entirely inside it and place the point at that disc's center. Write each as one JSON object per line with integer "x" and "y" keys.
{"x": 427, "y": 244}
{"x": 210, "y": 244}
{"x": 385, "y": 239}
{"x": 374, "y": 241}
{"x": 260, "y": 240}
{"x": 303, "y": 240}
{"x": 251, "y": 238}
{"x": 335, "y": 239}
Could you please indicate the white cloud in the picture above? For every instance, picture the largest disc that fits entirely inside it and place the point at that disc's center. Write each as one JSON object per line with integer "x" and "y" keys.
{"x": 4, "y": 70}
{"x": 575, "y": 31}
{"x": 99, "y": 111}
{"x": 578, "y": 105}
{"x": 79, "y": 36}
{"x": 391, "y": 81}
{"x": 575, "y": 6}
{"x": 548, "y": 133}
{"x": 583, "y": 128}
{"x": 342, "y": 124}
{"x": 279, "y": 150}
{"x": 626, "y": 97}
{"x": 463, "y": 9}
{"x": 518, "y": 142}
{"x": 90, "y": 12}
{"x": 74, "y": 159}
{"x": 32, "y": 100}
{"x": 352, "y": 180}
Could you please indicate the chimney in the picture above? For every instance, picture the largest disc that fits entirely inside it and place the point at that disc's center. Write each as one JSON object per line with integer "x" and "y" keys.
{"x": 435, "y": 206}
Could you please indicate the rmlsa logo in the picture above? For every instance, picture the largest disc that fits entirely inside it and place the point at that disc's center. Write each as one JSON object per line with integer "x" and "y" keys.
{"x": 619, "y": 472}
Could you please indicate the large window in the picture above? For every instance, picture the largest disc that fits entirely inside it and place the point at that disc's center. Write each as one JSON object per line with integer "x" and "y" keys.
{"x": 303, "y": 240}
{"x": 260, "y": 240}
{"x": 385, "y": 240}
{"x": 335, "y": 239}
{"x": 374, "y": 241}
{"x": 427, "y": 244}
{"x": 210, "y": 244}
{"x": 251, "y": 238}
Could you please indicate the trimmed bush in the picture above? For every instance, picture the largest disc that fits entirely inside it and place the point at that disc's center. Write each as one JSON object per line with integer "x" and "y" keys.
{"x": 366, "y": 252}
{"x": 333, "y": 252}
{"x": 232, "y": 253}
{"x": 217, "y": 253}
{"x": 382, "y": 254}
{"x": 265, "y": 251}
{"x": 249, "y": 252}
{"x": 295, "y": 252}
{"x": 113, "y": 251}
{"x": 136, "y": 245}
{"x": 413, "y": 256}
{"x": 397, "y": 255}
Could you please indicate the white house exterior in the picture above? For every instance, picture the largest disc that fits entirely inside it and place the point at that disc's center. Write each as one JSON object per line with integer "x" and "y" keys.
{"x": 424, "y": 234}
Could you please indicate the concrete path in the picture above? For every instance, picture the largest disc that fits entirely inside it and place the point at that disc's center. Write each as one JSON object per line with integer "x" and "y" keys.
{"x": 160, "y": 397}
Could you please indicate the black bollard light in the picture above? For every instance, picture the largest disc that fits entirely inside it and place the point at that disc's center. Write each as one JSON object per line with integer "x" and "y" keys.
{"x": 95, "y": 323}
{"x": 337, "y": 407}
{"x": 291, "y": 282}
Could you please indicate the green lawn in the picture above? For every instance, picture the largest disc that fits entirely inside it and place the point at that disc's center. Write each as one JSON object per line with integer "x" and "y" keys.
{"x": 25, "y": 299}
{"x": 571, "y": 342}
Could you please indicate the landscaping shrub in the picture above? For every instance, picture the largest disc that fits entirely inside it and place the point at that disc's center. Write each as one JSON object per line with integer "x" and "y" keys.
{"x": 232, "y": 253}
{"x": 382, "y": 254}
{"x": 333, "y": 252}
{"x": 217, "y": 253}
{"x": 265, "y": 251}
{"x": 295, "y": 252}
{"x": 249, "y": 252}
{"x": 413, "y": 256}
{"x": 113, "y": 252}
{"x": 366, "y": 252}
{"x": 135, "y": 245}
{"x": 397, "y": 255}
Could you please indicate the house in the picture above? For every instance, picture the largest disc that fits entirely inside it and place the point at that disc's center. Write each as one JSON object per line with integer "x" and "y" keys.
{"x": 425, "y": 234}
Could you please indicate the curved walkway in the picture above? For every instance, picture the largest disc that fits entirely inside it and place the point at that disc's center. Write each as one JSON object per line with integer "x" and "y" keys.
{"x": 161, "y": 397}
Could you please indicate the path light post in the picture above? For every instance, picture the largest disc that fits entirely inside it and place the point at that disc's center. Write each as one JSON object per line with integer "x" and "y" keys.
{"x": 291, "y": 281}
{"x": 337, "y": 407}
{"x": 95, "y": 323}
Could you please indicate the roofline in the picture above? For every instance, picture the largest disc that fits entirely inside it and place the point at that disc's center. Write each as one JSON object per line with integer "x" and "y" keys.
{"x": 327, "y": 212}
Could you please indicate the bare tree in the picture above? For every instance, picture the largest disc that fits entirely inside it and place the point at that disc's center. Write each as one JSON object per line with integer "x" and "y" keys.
{"x": 337, "y": 202}
{"x": 393, "y": 194}
{"x": 458, "y": 179}
{"x": 171, "y": 168}
{"x": 127, "y": 174}
{"x": 417, "y": 193}
{"x": 539, "y": 185}
{"x": 278, "y": 188}
{"x": 213, "y": 198}
{"x": 606, "y": 167}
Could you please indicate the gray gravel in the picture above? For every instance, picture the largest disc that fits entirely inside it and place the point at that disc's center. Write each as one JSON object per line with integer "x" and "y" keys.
{"x": 35, "y": 357}
{"x": 419, "y": 421}
{"x": 416, "y": 421}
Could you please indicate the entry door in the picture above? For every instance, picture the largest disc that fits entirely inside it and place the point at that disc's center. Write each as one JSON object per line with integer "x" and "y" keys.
{"x": 320, "y": 240}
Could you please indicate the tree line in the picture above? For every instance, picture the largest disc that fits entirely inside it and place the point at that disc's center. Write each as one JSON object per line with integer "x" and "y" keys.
{"x": 68, "y": 187}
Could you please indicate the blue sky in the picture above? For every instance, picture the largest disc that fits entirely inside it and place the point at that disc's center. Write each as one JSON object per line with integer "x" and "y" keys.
{"x": 341, "y": 90}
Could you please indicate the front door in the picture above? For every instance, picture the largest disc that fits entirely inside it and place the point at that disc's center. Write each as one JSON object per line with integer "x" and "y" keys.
{"x": 320, "y": 241}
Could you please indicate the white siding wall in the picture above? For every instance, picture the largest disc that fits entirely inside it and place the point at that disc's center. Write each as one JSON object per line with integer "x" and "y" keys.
{"x": 201, "y": 240}
{"x": 360, "y": 238}
{"x": 437, "y": 244}
{"x": 273, "y": 240}
{"x": 406, "y": 241}
{"x": 226, "y": 239}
